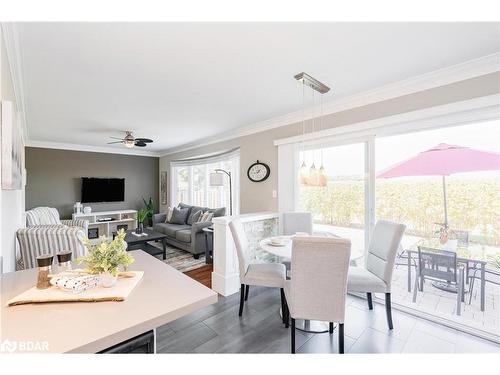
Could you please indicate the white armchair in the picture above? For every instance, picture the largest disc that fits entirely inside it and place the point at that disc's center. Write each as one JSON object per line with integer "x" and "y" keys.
{"x": 376, "y": 275}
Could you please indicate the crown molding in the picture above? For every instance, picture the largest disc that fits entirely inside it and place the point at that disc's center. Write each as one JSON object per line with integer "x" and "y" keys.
{"x": 10, "y": 36}
{"x": 479, "y": 109}
{"x": 87, "y": 148}
{"x": 441, "y": 77}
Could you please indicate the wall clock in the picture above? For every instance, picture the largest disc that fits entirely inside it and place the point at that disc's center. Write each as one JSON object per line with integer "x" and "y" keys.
{"x": 258, "y": 172}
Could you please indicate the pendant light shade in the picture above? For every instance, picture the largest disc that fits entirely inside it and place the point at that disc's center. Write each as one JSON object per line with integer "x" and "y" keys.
{"x": 303, "y": 174}
{"x": 323, "y": 178}
{"x": 313, "y": 179}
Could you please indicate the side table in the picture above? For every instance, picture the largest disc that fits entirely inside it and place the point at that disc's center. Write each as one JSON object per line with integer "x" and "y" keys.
{"x": 209, "y": 233}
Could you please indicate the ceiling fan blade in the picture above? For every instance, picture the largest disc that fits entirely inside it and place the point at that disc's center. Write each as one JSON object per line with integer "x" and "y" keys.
{"x": 140, "y": 144}
{"x": 110, "y": 143}
{"x": 116, "y": 138}
{"x": 144, "y": 140}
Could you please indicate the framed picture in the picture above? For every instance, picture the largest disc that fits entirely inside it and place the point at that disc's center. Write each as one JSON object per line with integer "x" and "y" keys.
{"x": 163, "y": 187}
{"x": 12, "y": 148}
{"x": 93, "y": 233}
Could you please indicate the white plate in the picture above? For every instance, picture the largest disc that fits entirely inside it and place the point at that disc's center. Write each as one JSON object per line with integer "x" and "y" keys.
{"x": 277, "y": 244}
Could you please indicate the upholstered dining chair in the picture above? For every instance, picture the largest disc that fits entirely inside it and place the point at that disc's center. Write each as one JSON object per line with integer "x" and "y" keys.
{"x": 376, "y": 275}
{"x": 323, "y": 296}
{"x": 253, "y": 273}
{"x": 294, "y": 222}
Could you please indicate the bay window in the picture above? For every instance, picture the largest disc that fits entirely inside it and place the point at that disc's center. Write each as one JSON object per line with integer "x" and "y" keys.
{"x": 190, "y": 182}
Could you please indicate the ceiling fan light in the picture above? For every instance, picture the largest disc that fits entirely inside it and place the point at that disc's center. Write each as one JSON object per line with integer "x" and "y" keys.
{"x": 129, "y": 143}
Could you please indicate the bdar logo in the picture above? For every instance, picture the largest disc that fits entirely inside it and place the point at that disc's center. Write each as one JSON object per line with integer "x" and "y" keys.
{"x": 8, "y": 346}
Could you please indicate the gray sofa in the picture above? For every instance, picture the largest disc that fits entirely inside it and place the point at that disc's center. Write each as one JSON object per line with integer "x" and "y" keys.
{"x": 184, "y": 236}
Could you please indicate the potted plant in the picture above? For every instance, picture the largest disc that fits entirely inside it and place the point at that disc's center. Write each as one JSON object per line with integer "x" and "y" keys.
{"x": 150, "y": 208}
{"x": 141, "y": 216}
{"x": 106, "y": 258}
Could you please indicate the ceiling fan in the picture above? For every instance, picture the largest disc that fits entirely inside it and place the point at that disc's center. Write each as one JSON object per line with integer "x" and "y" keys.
{"x": 130, "y": 141}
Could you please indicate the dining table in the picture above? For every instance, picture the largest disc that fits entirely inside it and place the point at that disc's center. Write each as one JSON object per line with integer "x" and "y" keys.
{"x": 283, "y": 251}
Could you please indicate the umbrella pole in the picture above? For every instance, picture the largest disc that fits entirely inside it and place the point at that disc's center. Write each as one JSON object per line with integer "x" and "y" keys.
{"x": 444, "y": 200}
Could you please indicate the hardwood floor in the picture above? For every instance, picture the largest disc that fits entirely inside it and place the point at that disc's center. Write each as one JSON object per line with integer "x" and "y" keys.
{"x": 218, "y": 329}
{"x": 203, "y": 275}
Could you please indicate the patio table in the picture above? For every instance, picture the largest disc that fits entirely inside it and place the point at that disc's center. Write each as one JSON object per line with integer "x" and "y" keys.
{"x": 467, "y": 254}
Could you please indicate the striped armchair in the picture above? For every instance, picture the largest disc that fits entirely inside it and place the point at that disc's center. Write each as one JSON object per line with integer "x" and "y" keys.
{"x": 50, "y": 216}
{"x": 45, "y": 233}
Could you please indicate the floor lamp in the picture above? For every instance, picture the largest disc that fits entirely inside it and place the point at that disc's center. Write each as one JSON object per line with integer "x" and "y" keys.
{"x": 217, "y": 179}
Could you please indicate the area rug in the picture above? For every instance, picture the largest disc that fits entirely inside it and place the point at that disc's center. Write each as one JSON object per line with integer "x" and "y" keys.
{"x": 181, "y": 260}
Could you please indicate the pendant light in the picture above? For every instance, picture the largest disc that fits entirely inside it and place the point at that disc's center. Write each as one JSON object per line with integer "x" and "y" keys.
{"x": 303, "y": 175}
{"x": 311, "y": 176}
{"x": 322, "y": 178}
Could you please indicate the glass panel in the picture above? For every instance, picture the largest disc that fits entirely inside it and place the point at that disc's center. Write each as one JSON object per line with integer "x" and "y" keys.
{"x": 182, "y": 185}
{"x": 473, "y": 206}
{"x": 199, "y": 186}
{"x": 338, "y": 208}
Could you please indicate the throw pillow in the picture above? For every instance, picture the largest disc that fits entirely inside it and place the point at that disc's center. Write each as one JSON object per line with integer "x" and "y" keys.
{"x": 193, "y": 218}
{"x": 179, "y": 215}
{"x": 204, "y": 217}
{"x": 170, "y": 211}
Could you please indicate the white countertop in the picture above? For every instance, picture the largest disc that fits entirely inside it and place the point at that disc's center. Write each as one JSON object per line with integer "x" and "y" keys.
{"x": 163, "y": 295}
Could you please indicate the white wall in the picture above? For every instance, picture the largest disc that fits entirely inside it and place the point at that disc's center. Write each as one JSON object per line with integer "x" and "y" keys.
{"x": 11, "y": 201}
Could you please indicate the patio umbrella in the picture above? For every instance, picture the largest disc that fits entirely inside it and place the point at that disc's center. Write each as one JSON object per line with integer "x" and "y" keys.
{"x": 444, "y": 160}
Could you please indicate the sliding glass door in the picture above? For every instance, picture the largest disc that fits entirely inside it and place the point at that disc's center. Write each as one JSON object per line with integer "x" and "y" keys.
{"x": 340, "y": 207}
{"x": 449, "y": 203}
{"x": 453, "y": 213}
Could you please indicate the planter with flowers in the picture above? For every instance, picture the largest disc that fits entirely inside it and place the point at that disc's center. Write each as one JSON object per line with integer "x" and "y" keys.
{"x": 107, "y": 258}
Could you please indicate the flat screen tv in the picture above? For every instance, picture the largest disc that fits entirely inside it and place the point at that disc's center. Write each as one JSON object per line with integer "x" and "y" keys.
{"x": 95, "y": 190}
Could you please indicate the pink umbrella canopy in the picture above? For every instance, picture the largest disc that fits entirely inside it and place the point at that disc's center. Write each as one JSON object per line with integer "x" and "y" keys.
{"x": 444, "y": 160}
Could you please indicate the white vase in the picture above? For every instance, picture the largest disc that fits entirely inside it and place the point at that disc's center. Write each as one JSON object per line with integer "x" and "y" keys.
{"x": 108, "y": 280}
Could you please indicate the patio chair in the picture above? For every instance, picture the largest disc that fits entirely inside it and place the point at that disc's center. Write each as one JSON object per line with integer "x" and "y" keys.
{"x": 441, "y": 266}
{"x": 492, "y": 276}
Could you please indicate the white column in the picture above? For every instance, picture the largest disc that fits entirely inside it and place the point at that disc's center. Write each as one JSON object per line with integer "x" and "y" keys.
{"x": 225, "y": 276}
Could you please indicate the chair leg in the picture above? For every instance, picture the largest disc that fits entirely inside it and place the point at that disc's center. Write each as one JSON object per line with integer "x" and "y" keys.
{"x": 330, "y": 328}
{"x": 460, "y": 291}
{"x": 287, "y": 313}
{"x": 341, "y": 338}
{"x": 242, "y": 298}
{"x": 292, "y": 333}
{"x": 370, "y": 302}
{"x": 471, "y": 288}
{"x": 246, "y": 292}
{"x": 388, "y": 310}
{"x": 283, "y": 308}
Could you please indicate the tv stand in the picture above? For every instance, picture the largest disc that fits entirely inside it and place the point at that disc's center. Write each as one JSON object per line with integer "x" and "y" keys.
{"x": 114, "y": 220}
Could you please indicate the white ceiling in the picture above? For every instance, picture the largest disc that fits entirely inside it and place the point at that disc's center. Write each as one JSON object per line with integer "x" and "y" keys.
{"x": 177, "y": 83}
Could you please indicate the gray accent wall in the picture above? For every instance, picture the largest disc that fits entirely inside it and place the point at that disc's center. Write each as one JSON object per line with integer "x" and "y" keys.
{"x": 54, "y": 178}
